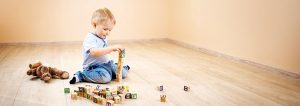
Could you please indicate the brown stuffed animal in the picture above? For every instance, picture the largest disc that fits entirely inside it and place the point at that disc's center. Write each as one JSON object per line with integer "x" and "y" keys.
{"x": 46, "y": 73}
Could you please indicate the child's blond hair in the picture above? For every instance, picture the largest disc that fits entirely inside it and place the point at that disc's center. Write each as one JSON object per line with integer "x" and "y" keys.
{"x": 101, "y": 16}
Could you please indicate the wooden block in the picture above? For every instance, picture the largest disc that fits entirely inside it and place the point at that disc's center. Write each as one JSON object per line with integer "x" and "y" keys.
{"x": 103, "y": 93}
{"x": 81, "y": 89}
{"x": 110, "y": 103}
{"x": 117, "y": 99}
{"x": 80, "y": 94}
{"x": 74, "y": 96}
{"x": 133, "y": 95}
{"x": 114, "y": 92}
{"x": 95, "y": 98}
{"x": 126, "y": 88}
{"x": 186, "y": 88}
{"x": 121, "y": 97}
{"x": 123, "y": 54}
{"x": 90, "y": 96}
{"x": 160, "y": 87}
{"x": 128, "y": 96}
{"x": 96, "y": 92}
{"x": 67, "y": 90}
{"x": 121, "y": 90}
{"x": 163, "y": 98}
{"x": 101, "y": 100}
{"x": 109, "y": 97}
{"x": 108, "y": 93}
{"x": 98, "y": 87}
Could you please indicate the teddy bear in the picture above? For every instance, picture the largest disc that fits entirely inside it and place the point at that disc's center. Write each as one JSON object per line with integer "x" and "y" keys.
{"x": 45, "y": 72}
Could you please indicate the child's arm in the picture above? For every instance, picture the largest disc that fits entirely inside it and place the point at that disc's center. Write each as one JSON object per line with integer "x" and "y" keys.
{"x": 102, "y": 51}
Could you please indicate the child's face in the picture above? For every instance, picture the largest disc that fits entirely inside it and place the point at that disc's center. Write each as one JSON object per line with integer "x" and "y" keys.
{"x": 103, "y": 30}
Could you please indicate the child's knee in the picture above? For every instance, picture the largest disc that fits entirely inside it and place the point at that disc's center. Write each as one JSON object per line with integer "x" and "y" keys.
{"x": 103, "y": 79}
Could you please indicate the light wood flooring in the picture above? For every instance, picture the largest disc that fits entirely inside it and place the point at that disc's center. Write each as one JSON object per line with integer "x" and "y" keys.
{"x": 213, "y": 80}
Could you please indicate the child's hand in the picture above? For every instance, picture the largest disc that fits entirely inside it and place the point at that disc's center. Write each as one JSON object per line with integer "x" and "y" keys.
{"x": 118, "y": 48}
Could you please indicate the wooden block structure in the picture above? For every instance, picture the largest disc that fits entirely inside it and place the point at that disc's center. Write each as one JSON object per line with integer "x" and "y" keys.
{"x": 163, "y": 98}
{"x": 186, "y": 88}
{"x": 103, "y": 95}
{"x": 67, "y": 90}
{"x": 120, "y": 66}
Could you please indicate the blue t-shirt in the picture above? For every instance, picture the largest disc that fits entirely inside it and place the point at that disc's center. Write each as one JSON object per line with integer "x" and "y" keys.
{"x": 93, "y": 41}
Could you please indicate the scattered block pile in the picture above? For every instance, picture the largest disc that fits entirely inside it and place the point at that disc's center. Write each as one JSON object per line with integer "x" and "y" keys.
{"x": 103, "y": 95}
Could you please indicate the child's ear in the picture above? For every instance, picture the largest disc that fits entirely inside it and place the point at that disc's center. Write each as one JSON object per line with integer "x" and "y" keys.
{"x": 94, "y": 25}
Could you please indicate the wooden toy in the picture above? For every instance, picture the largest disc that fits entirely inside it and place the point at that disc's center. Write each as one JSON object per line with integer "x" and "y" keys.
{"x": 114, "y": 92}
{"x": 96, "y": 92}
{"x": 98, "y": 87}
{"x": 126, "y": 88}
{"x": 110, "y": 97}
{"x": 81, "y": 89}
{"x": 110, "y": 103}
{"x": 160, "y": 88}
{"x": 74, "y": 96}
{"x": 117, "y": 99}
{"x": 103, "y": 93}
{"x": 80, "y": 94}
{"x": 133, "y": 95}
{"x": 121, "y": 97}
{"x": 101, "y": 100}
{"x": 88, "y": 89}
{"x": 108, "y": 93}
{"x": 128, "y": 96}
{"x": 163, "y": 98}
{"x": 102, "y": 96}
{"x": 90, "y": 96}
{"x": 120, "y": 89}
{"x": 67, "y": 90}
{"x": 186, "y": 88}
{"x": 95, "y": 98}
{"x": 120, "y": 66}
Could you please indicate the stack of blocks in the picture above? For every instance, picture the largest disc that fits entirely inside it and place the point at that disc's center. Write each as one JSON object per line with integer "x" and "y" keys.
{"x": 120, "y": 66}
{"x": 103, "y": 95}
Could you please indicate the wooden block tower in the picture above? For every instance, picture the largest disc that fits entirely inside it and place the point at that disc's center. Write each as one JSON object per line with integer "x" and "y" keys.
{"x": 120, "y": 66}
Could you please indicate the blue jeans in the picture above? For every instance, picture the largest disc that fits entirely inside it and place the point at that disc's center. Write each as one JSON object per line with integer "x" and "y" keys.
{"x": 100, "y": 73}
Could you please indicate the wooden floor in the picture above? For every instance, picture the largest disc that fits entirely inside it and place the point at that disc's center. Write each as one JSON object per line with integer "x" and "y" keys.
{"x": 213, "y": 80}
